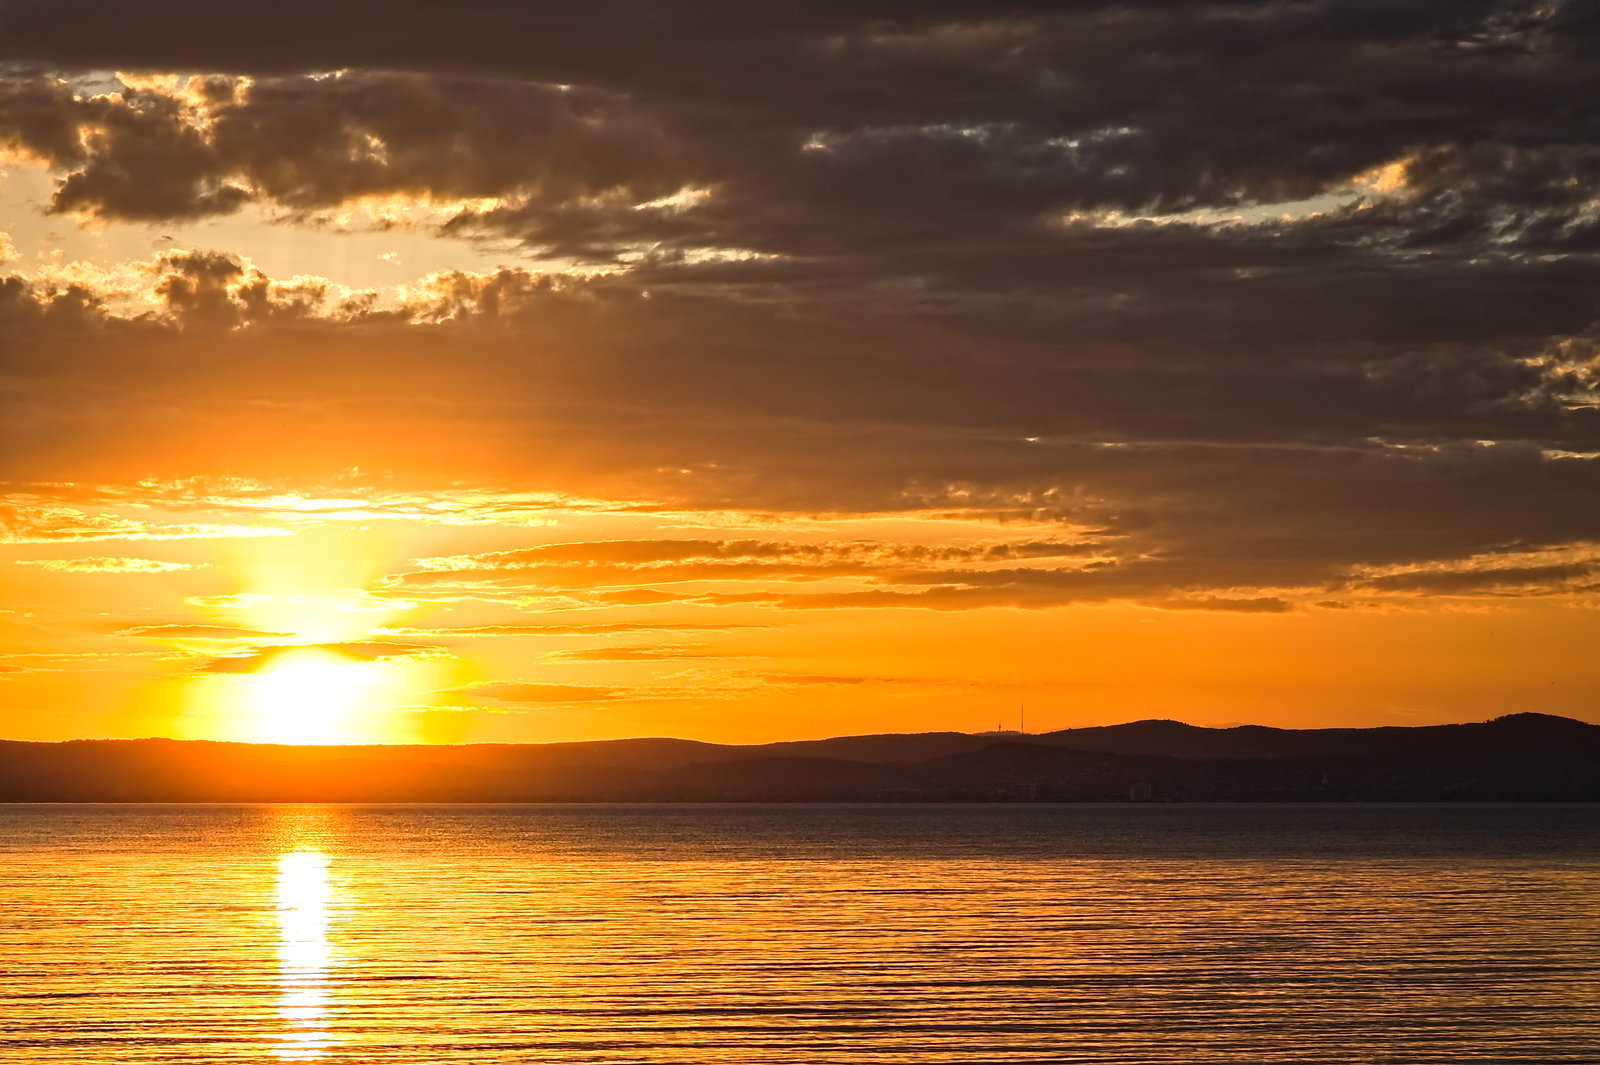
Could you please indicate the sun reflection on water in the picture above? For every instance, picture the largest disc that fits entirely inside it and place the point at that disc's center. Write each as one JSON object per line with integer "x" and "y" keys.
{"x": 305, "y": 954}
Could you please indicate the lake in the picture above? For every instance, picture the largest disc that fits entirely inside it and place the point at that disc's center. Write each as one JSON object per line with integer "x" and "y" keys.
{"x": 800, "y": 934}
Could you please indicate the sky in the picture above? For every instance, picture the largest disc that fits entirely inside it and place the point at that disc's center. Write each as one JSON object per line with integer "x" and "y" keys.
{"x": 517, "y": 372}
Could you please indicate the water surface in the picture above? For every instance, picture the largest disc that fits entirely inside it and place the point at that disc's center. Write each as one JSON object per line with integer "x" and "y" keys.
{"x": 800, "y": 934}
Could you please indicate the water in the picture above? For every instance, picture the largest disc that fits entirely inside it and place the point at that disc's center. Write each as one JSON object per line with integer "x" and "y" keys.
{"x": 800, "y": 934}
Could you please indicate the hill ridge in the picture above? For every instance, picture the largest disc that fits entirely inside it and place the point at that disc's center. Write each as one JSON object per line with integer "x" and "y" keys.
{"x": 1521, "y": 756}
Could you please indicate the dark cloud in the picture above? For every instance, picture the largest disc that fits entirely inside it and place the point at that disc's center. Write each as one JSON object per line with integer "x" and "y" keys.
{"x": 1284, "y": 477}
{"x": 853, "y": 136}
{"x": 1258, "y": 605}
{"x": 1556, "y": 577}
{"x": 1243, "y": 298}
{"x": 303, "y": 143}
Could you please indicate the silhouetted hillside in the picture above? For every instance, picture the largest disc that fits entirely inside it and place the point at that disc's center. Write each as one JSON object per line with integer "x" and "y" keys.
{"x": 1177, "y": 740}
{"x": 1518, "y": 757}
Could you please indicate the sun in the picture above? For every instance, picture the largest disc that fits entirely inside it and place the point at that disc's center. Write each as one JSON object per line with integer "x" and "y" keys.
{"x": 311, "y": 695}
{"x": 315, "y": 662}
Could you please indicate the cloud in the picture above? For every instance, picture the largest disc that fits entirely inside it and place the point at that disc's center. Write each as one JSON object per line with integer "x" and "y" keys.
{"x": 655, "y": 653}
{"x": 645, "y": 553}
{"x": 1229, "y": 302}
{"x": 256, "y": 659}
{"x": 602, "y": 563}
{"x": 23, "y": 521}
{"x": 585, "y": 629}
{"x": 639, "y": 597}
{"x": 835, "y": 135}
{"x": 825, "y": 680}
{"x": 209, "y": 145}
{"x": 181, "y": 631}
{"x": 1549, "y": 578}
{"x": 540, "y": 693}
{"x": 1270, "y": 604}
{"x": 108, "y": 565}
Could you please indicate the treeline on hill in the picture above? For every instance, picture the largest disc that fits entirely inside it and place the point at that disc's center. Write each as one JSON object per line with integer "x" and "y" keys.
{"x": 1521, "y": 757}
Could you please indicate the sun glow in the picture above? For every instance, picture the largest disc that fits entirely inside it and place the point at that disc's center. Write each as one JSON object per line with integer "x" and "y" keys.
{"x": 297, "y": 652}
{"x": 312, "y": 696}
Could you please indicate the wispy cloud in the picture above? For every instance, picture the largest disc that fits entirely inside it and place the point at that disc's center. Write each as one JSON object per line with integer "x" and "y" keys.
{"x": 108, "y": 565}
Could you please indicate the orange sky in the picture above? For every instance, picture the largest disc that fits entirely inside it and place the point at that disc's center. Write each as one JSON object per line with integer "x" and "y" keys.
{"x": 398, "y": 399}
{"x": 233, "y": 611}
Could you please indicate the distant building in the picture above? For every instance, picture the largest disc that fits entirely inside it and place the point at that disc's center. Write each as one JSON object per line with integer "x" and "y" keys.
{"x": 1140, "y": 792}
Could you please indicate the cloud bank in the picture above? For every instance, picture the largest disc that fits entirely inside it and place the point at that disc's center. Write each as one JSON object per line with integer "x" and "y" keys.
{"x": 1237, "y": 305}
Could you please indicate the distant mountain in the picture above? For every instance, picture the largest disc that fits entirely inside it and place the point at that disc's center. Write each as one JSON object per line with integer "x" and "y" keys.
{"x": 1525, "y": 757}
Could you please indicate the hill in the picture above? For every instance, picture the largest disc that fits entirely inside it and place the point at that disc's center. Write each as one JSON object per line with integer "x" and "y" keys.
{"x": 1517, "y": 757}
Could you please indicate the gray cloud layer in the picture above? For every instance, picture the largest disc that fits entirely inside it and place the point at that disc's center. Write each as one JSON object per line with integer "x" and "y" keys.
{"x": 1266, "y": 292}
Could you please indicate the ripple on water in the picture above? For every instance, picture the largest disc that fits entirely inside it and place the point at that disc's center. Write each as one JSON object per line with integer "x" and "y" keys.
{"x": 701, "y": 935}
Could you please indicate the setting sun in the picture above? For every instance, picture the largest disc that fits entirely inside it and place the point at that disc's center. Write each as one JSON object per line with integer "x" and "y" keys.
{"x": 310, "y": 696}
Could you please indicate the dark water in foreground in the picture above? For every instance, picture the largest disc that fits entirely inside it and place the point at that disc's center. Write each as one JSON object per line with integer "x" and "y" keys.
{"x": 800, "y": 934}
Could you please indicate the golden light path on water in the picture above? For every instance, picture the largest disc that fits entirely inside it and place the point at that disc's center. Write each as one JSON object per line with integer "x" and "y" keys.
{"x": 305, "y": 954}
{"x": 1028, "y": 933}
